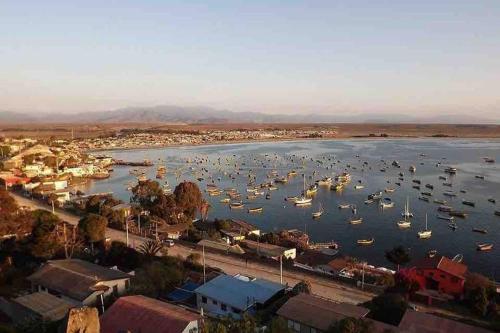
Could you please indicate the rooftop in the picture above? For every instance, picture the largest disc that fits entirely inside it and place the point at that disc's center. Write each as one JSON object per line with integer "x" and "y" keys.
{"x": 48, "y": 306}
{"x": 419, "y": 322}
{"x": 318, "y": 312}
{"x": 145, "y": 315}
{"x": 239, "y": 291}
{"x": 444, "y": 264}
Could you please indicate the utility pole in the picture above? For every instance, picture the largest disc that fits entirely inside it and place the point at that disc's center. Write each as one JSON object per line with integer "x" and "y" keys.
{"x": 204, "y": 272}
{"x": 126, "y": 230}
{"x": 363, "y": 277}
{"x": 53, "y": 208}
{"x": 281, "y": 269}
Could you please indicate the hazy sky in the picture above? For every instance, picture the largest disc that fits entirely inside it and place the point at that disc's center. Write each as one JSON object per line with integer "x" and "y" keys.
{"x": 272, "y": 56}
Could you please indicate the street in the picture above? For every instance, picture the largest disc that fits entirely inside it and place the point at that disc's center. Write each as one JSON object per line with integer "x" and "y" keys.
{"x": 320, "y": 286}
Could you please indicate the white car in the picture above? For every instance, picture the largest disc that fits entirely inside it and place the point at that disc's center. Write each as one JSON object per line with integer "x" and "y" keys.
{"x": 168, "y": 242}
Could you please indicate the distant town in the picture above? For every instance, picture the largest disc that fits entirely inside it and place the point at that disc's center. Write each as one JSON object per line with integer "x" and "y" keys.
{"x": 157, "y": 262}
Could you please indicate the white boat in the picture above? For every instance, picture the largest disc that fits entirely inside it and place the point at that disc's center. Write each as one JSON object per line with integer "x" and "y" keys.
{"x": 318, "y": 213}
{"x": 407, "y": 213}
{"x": 384, "y": 205}
{"x": 344, "y": 206}
{"x": 404, "y": 224}
{"x": 424, "y": 234}
{"x": 356, "y": 220}
{"x": 303, "y": 200}
{"x": 359, "y": 187}
{"x": 327, "y": 181}
{"x": 458, "y": 258}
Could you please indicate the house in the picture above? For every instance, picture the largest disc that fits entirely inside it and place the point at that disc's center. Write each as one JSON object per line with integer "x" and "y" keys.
{"x": 270, "y": 250}
{"x": 141, "y": 314}
{"x": 243, "y": 228}
{"x": 306, "y": 313}
{"x": 78, "y": 281}
{"x": 173, "y": 231}
{"x": 232, "y": 237}
{"x": 420, "y": 322}
{"x": 439, "y": 274}
{"x": 124, "y": 209}
{"x": 218, "y": 246}
{"x": 234, "y": 295}
{"x": 37, "y": 306}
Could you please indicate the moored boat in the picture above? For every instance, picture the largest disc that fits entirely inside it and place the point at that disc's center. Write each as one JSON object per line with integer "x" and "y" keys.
{"x": 365, "y": 241}
{"x": 484, "y": 246}
{"x": 255, "y": 210}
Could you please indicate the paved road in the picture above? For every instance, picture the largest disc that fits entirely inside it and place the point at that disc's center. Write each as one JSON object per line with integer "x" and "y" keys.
{"x": 320, "y": 286}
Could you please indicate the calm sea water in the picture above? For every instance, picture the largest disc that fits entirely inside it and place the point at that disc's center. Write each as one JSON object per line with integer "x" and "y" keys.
{"x": 327, "y": 158}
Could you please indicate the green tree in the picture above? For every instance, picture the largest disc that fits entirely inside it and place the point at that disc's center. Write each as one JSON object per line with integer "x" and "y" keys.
{"x": 279, "y": 325}
{"x": 478, "y": 291}
{"x": 121, "y": 255}
{"x": 156, "y": 278}
{"x": 188, "y": 198}
{"x": 212, "y": 326}
{"x": 478, "y": 301}
{"x": 44, "y": 238}
{"x": 146, "y": 193}
{"x": 388, "y": 308}
{"x": 303, "y": 286}
{"x": 399, "y": 255}
{"x": 351, "y": 325}
{"x": 93, "y": 228}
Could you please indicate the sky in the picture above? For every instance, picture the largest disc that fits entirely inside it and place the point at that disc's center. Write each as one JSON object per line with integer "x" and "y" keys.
{"x": 420, "y": 57}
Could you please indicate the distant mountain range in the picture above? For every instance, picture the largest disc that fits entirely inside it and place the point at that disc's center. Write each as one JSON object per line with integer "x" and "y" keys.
{"x": 197, "y": 115}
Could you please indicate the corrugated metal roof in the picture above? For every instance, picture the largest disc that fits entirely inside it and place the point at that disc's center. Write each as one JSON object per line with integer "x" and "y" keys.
{"x": 145, "y": 315}
{"x": 49, "y": 307}
{"x": 238, "y": 293}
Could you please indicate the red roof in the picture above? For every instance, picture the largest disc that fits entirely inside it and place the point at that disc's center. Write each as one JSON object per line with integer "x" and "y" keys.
{"x": 145, "y": 315}
{"x": 444, "y": 264}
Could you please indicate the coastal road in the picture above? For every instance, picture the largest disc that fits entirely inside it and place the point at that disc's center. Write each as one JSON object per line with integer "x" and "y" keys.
{"x": 320, "y": 286}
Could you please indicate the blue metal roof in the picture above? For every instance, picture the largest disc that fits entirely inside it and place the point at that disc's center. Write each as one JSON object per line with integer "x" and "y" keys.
{"x": 239, "y": 293}
{"x": 183, "y": 293}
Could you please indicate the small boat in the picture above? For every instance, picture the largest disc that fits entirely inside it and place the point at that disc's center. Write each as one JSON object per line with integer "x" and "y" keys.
{"x": 489, "y": 160}
{"x": 445, "y": 209}
{"x": 318, "y": 213}
{"x": 369, "y": 201}
{"x": 356, "y": 220}
{"x": 268, "y": 196}
{"x": 416, "y": 187}
{"x": 458, "y": 213}
{"x": 293, "y": 199}
{"x": 407, "y": 213}
{"x": 389, "y": 190}
{"x": 441, "y": 202}
{"x": 450, "y": 170}
{"x": 384, "y": 205}
{"x": 404, "y": 223}
{"x": 427, "y": 194}
{"x": 448, "y": 184}
{"x": 458, "y": 258}
{"x": 225, "y": 200}
{"x": 429, "y": 186}
{"x": 412, "y": 168}
{"x": 366, "y": 241}
{"x": 312, "y": 190}
{"x": 453, "y": 226}
{"x": 236, "y": 205}
{"x": 481, "y": 231}
{"x": 344, "y": 206}
{"x": 492, "y": 200}
{"x": 255, "y": 210}
{"x": 484, "y": 246}
{"x": 327, "y": 181}
{"x": 442, "y": 177}
{"x": 282, "y": 180}
{"x": 444, "y": 217}
{"x": 497, "y": 212}
{"x": 303, "y": 201}
{"x": 480, "y": 177}
{"x": 359, "y": 187}
{"x": 469, "y": 203}
{"x": 426, "y": 199}
{"x": 450, "y": 194}
{"x": 432, "y": 253}
{"x": 417, "y": 181}
{"x": 425, "y": 234}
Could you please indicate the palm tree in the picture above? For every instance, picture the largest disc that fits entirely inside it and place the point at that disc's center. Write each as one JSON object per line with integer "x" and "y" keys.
{"x": 150, "y": 247}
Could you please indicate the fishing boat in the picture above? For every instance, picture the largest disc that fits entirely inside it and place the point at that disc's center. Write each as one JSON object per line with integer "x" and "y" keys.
{"x": 458, "y": 213}
{"x": 225, "y": 200}
{"x": 481, "y": 231}
{"x": 389, "y": 190}
{"x": 426, "y": 199}
{"x": 445, "y": 209}
{"x": 251, "y": 197}
{"x": 272, "y": 188}
{"x": 255, "y": 210}
{"x": 480, "y": 177}
{"x": 441, "y": 202}
{"x": 359, "y": 187}
{"x": 375, "y": 196}
{"x": 344, "y": 206}
{"x": 326, "y": 181}
{"x": 489, "y": 160}
{"x": 337, "y": 187}
{"x": 404, "y": 223}
{"x": 365, "y": 241}
{"x": 427, "y": 194}
{"x": 432, "y": 253}
{"x": 282, "y": 180}
{"x": 318, "y": 213}
{"x": 312, "y": 190}
{"x": 444, "y": 217}
{"x": 358, "y": 220}
{"x": 453, "y": 226}
{"x": 469, "y": 203}
{"x": 429, "y": 186}
{"x": 424, "y": 234}
{"x": 458, "y": 258}
{"x": 384, "y": 205}
{"x": 412, "y": 168}
{"x": 268, "y": 196}
{"x": 407, "y": 212}
{"x": 369, "y": 201}
{"x": 448, "y": 184}
{"x": 236, "y": 205}
{"x": 492, "y": 200}
{"x": 292, "y": 199}
{"x": 450, "y": 170}
{"x": 450, "y": 194}
{"x": 497, "y": 212}
{"x": 484, "y": 246}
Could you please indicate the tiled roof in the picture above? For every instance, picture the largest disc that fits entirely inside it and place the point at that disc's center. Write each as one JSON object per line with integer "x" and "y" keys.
{"x": 419, "y": 322}
{"x": 444, "y": 264}
{"x": 140, "y": 314}
{"x": 317, "y": 312}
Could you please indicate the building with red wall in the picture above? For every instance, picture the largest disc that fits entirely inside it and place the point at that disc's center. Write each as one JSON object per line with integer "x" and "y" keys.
{"x": 439, "y": 274}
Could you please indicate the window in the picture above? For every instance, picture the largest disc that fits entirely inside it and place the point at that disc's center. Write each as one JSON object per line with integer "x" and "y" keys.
{"x": 214, "y": 302}
{"x": 203, "y": 299}
{"x": 223, "y": 307}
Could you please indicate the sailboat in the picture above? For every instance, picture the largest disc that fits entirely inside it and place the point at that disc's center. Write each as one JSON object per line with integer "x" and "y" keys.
{"x": 424, "y": 234}
{"x": 318, "y": 213}
{"x": 303, "y": 200}
{"x": 407, "y": 213}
